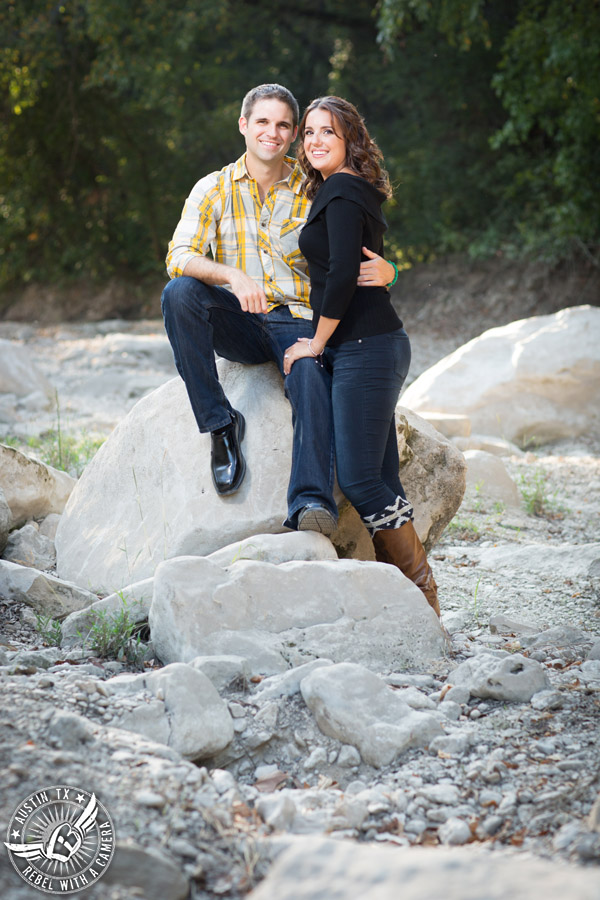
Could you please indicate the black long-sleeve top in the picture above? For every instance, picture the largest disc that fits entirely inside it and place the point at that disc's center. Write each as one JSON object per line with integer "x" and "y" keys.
{"x": 345, "y": 216}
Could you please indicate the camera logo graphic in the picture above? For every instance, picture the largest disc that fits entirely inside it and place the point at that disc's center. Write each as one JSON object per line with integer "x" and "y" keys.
{"x": 61, "y": 839}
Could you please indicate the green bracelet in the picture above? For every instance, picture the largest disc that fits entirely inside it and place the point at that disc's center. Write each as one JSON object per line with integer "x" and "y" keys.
{"x": 392, "y": 283}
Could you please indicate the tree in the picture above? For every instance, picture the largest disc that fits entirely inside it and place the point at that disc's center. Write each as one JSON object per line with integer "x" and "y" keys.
{"x": 111, "y": 110}
{"x": 547, "y": 77}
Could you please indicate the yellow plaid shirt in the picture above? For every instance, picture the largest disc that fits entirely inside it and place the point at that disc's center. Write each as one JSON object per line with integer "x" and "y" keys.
{"x": 224, "y": 212}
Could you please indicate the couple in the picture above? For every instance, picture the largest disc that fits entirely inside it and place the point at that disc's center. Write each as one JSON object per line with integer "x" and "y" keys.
{"x": 337, "y": 340}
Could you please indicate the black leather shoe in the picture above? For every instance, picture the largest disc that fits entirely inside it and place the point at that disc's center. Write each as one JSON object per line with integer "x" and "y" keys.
{"x": 227, "y": 463}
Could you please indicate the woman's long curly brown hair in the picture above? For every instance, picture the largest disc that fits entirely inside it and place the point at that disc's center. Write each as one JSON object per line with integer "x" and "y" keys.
{"x": 363, "y": 155}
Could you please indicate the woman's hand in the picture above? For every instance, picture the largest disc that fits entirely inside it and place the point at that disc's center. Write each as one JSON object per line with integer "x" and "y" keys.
{"x": 296, "y": 351}
{"x": 375, "y": 271}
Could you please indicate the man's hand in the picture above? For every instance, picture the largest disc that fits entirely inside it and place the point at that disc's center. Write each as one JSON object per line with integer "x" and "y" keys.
{"x": 252, "y": 298}
{"x": 375, "y": 271}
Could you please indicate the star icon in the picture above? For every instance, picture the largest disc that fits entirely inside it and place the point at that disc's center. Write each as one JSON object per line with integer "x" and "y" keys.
{"x": 15, "y": 833}
{"x": 80, "y": 798}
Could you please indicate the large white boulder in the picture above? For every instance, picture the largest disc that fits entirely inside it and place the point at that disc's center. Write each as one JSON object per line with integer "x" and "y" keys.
{"x": 31, "y": 489}
{"x": 536, "y": 379}
{"x": 309, "y": 867}
{"x": 148, "y": 496}
{"x": 343, "y": 609}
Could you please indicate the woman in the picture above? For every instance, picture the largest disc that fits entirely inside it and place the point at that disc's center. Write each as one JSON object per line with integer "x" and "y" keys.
{"x": 357, "y": 332}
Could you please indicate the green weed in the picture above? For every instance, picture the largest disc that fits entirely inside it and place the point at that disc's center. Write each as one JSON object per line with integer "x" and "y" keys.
{"x": 533, "y": 485}
{"x": 69, "y": 452}
{"x": 115, "y": 635}
{"x": 478, "y": 501}
{"x": 464, "y": 528}
{"x": 49, "y": 629}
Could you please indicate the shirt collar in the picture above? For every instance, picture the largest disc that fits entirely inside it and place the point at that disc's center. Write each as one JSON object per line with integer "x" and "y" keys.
{"x": 295, "y": 179}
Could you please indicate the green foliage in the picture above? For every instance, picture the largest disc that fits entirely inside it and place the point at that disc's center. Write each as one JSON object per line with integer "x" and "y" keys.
{"x": 115, "y": 635}
{"x": 49, "y": 629}
{"x": 69, "y": 452}
{"x": 533, "y": 485}
{"x": 463, "y": 528}
{"x": 549, "y": 84}
{"x": 544, "y": 67}
{"x": 488, "y": 115}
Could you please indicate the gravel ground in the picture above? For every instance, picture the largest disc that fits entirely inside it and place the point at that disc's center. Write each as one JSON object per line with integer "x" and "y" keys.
{"x": 513, "y": 777}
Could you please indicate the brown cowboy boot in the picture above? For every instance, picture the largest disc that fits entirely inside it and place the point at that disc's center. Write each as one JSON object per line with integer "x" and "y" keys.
{"x": 402, "y": 548}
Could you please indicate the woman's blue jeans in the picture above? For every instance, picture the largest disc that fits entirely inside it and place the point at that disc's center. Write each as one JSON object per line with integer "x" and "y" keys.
{"x": 367, "y": 377}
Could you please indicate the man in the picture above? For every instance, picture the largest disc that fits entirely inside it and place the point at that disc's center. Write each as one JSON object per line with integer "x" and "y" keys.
{"x": 251, "y": 301}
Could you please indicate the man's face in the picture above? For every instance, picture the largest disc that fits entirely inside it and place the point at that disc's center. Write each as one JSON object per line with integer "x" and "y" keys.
{"x": 269, "y": 131}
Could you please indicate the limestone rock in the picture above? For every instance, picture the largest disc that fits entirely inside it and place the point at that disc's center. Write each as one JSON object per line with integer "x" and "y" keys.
{"x": 276, "y": 548}
{"x": 38, "y": 659}
{"x": 147, "y": 495}
{"x": 288, "y": 684}
{"x": 46, "y": 594}
{"x": 501, "y": 676}
{"x": 502, "y": 623}
{"x": 154, "y": 875}
{"x": 5, "y": 520}
{"x": 135, "y": 599}
{"x": 563, "y": 560}
{"x": 496, "y": 445}
{"x": 534, "y": 379}
{"x": 20, "y": 378}
{"x": 488, "y": 479}
{"x": 454, "y": 831}
{"x": 70, "y": 730}
{"x": 595, "y": 651}
{"x": 309, "y": 866}
{"x": 338, "y": 609}
{"x": 27, "y": 547}
{"x": 49, "y": 525}
{"x": 32, "y": 490}
{"x": 556, "y": 637}
{"x": 222, "y": 670}
{"x": 353, "y": 705}
{"x": 187, "y": 713}
{"x": 449, "y": 424}
{"x": 432, "y": 471}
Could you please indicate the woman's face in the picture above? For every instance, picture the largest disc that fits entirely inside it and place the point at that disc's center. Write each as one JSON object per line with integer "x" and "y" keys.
{"x": 324, "y": 148}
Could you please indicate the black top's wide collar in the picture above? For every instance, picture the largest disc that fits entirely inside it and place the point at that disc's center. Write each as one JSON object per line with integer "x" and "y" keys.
{"x": 350, "y": 187}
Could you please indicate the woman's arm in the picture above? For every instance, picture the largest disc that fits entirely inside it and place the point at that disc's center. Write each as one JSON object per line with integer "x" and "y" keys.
{"x": 344, "y": 220}
{"x": 310, "y": 346}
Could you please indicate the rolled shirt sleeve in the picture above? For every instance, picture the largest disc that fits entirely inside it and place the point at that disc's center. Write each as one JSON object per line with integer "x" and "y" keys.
{"x": 197, "y": 226}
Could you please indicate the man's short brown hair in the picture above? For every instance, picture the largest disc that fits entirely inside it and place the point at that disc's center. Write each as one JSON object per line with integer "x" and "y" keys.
{"x": 270, "y": 92}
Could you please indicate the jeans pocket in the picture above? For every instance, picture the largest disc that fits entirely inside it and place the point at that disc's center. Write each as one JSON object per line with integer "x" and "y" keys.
{"x": 402, "y": 354}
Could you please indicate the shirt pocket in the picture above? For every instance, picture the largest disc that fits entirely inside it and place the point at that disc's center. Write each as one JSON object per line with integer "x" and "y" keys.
{"x": 289, "y": 233}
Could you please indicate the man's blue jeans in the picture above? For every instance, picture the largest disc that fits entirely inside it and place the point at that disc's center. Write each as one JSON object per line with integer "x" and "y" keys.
{"x": 201, "y": 319}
